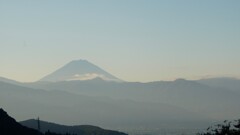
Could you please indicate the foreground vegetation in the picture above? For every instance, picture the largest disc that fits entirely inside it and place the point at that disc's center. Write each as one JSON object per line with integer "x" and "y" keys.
{"x": 227, "y": 128}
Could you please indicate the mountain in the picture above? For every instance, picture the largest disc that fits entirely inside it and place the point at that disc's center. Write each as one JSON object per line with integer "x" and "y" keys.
{"x": 79, "y": 70}
{"x": 224, "y": 82}
{"x": 112, "y": 113}
{"x": 79, "y": 130}
{"x": 82, "y": 93}
{"x": 217, "y": 103}
{"x": 9, "y": 126}
{"x": 2, "y": 79}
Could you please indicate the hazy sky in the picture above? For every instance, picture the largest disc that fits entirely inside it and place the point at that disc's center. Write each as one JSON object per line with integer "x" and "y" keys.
{"x": 135, "y": 40}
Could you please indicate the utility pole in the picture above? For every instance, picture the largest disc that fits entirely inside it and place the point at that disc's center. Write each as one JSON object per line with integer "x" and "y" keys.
{"x": 38, "y": 126}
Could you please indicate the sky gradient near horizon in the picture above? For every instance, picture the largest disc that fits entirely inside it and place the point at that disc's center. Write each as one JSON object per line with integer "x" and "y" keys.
{"x": 135, "y": 40}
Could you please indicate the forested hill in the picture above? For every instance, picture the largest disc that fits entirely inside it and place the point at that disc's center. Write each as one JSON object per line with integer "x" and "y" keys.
{"x": 79, "y": 129}
{"x": 9, "y": 126}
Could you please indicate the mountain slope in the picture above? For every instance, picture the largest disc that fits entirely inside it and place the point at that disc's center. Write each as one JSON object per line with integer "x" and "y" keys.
{"x": 224, "y": 82}
{"x": 79, "y": 130}
{"x": 2, "y": 79}
{"x": 79, "y": 70}
{"x": 193, "y": 96}
{"x": 67, "y": 108}
{"x": 8, "y": 126}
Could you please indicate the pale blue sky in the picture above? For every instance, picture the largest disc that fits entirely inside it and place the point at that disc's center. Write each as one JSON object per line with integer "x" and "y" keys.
{"x": 135, "y": 40}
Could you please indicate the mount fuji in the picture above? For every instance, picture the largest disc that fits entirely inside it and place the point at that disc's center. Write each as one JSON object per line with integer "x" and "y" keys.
{"x": 79, "y": 70}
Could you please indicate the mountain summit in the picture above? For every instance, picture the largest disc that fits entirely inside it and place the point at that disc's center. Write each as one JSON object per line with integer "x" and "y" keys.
{"x": 79, "y": 70}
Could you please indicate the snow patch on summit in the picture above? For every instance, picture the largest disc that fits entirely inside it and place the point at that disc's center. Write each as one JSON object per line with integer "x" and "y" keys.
{"x": 89, "y": 76}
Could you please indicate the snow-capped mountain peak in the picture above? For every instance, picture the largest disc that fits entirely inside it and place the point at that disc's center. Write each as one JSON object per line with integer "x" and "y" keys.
{"x": 79, "y": 70}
